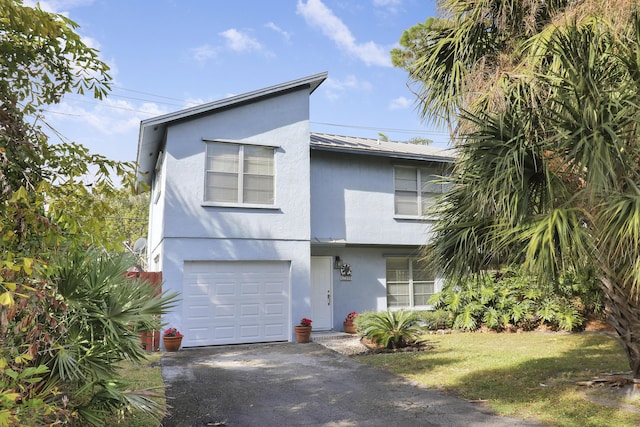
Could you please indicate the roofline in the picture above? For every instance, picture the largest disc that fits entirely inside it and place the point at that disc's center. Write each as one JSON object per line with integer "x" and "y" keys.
{"x": 313, "y": 81}
{"x": 150, "y": 143}
{"x": 396, "y": 155}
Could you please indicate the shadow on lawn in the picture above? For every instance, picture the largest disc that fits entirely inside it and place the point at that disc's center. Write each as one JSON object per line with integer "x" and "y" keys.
{"x": 528, "y": 376}
{"x": 546, "y": 386}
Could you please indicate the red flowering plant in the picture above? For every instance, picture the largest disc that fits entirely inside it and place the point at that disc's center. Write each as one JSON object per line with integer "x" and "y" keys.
{"x": 172, "y": 332}
{"x": 305, "y": 322}
{"x": 351, "y": 316}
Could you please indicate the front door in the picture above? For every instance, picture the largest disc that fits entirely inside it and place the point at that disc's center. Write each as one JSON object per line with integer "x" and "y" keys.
{"x": 321, "y": 293}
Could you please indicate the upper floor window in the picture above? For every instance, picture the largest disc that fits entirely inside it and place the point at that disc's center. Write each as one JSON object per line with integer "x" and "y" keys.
{"x": 239, "y": 174}
{"x": 409, "y": 283}
{"x": 416, "y": 188}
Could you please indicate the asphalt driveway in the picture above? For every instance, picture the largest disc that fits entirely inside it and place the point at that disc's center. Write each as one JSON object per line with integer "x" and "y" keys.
{"x": 288, "y": 384}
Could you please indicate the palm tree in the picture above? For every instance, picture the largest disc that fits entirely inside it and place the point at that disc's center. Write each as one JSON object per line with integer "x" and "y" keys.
{"x": 391, "y": 329}
{"x": 102, "y": 313}
{"x": 549, "y": 162}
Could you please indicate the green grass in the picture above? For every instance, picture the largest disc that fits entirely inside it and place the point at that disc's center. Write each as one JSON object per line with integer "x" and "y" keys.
{"x": 138, "y": 377}
{"x": 529, "y": 375}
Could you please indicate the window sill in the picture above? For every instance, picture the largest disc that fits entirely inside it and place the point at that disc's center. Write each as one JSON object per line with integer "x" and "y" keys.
{"x": 415, "y": 307}
{"x": 240, "y": 206}
{"x": 414, "y": 217}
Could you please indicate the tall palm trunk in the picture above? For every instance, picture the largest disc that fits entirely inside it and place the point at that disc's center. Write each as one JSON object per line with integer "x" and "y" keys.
{"x": 624, "y": 316}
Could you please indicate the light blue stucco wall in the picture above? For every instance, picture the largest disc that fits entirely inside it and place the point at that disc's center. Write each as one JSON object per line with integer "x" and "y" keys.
{"x": 352, "y": 199}
{"x": 193, "y": 231}
{"x": 281, "y": 121}
{"x": 352, "y": 205}
{"x": 366, "y": 291}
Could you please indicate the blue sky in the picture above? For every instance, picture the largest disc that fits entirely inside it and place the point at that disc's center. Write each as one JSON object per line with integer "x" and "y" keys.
{"x": 167, "y": 55}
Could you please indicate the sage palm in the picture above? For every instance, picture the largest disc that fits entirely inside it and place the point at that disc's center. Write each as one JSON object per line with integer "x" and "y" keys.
{"x": 391, "y": 329}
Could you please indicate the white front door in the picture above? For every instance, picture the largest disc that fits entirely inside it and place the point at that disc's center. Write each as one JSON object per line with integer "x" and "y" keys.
{"x": 321, "y": 293}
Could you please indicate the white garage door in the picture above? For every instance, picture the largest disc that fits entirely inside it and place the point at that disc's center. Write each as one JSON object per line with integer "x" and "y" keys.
{"x": 235, "y": 302}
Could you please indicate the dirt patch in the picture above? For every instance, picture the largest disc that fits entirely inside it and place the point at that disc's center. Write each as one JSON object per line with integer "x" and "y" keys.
{"x": 373, "y": 347}
{"x": 626, "y": 398}
{"x": 597, "y": 325}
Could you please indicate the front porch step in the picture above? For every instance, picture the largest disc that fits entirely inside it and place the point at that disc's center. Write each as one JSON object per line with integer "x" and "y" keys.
{"x": 330, "y": 335}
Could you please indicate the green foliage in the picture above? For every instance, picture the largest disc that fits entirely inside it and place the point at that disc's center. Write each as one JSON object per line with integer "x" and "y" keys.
{"x": 98, "y": 317}
{"x": 43, "y": 58}
{"x": 513, "y": 299}
{"x": 391, "y": 329}
{"x": 435, "y": 319}
{"x": 544, "y": 97}
{"x": 27, "y": 408}
{"x": 47, "y": 214}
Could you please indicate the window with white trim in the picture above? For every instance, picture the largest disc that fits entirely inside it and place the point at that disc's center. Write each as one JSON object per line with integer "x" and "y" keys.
{"x": 409, "y": 283}
{"x": 239, "y": 174}
{"x": 416, "y": 189}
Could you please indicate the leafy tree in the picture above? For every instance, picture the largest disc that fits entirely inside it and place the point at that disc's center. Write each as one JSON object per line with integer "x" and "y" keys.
{"x": 125, "y": 218}
{"x": 545, "y": 99}
{"x": 48, "y": 214}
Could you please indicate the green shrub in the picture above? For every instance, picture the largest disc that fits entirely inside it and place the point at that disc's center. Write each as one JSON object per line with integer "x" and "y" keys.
{"x": 94, "y": 315}
{"x": 513, "y": 299}
{"x": 435, "y": 319}
{"x": 390, "y": 329}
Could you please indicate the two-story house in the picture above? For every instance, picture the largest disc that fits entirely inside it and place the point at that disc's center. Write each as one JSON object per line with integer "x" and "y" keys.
{"x": 257, "y": 222}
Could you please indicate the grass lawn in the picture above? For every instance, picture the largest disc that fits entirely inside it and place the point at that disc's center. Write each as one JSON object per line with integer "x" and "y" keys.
{"x": 529, "y": 375}
{"x": 138, "y": 377}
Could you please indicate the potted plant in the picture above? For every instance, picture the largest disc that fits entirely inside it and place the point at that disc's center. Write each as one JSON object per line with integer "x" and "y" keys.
{"x": 303, "y": 331}
{"x": 172, "y": 339}
{"x": 349, "y": 327}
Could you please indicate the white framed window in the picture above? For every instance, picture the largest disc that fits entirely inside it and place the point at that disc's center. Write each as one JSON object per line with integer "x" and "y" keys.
{"x": 409, "y": 283}
{"x": 240, "y": 174}
{"x": 416, "y": 189}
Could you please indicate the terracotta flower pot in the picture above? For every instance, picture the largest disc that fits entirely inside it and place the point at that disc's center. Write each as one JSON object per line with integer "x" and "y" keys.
{"x": 349, "y": 327}
{"x": 172, "y": 343}
{"x": 303, "y": 334}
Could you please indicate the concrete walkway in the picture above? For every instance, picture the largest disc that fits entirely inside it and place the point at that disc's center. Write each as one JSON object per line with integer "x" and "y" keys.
{"x": 287, "y": 384}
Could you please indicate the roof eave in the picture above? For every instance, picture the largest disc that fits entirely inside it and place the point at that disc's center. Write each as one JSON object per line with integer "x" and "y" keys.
{"x": 392, "y": 154}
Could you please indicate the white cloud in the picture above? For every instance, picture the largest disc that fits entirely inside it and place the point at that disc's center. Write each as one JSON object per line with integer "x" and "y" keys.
{"x": 400, "y": 103}
{"x": 192, "y": 102}
{"x": 334, "y": 88}
{"x": 204, "y": 52}
{"x": 108, "y": 117}
{"x": 391, "y": 5}
{"x": 316, "y": 14}
{"x": 240, "y": 42}
{"x": 278, "y": 30}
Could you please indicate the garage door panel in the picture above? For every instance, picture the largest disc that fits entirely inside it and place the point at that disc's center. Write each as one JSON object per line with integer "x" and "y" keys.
{"x": 235, "y": 302}
{"x": 224, "y": 311}
{"x": 224, "y": 289}
{"x": 249, "y": 310}
{"x": 250, "y": 331}
{"x": 250, "y": 289}
{"x": 274, "y": 330}
{"x": 195, "y": 291}
{"x": 224, "y": 332}
{"x": 200, "y": 335}
{"x": 274, "y": 309}
{"x": 199, "y": 312}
